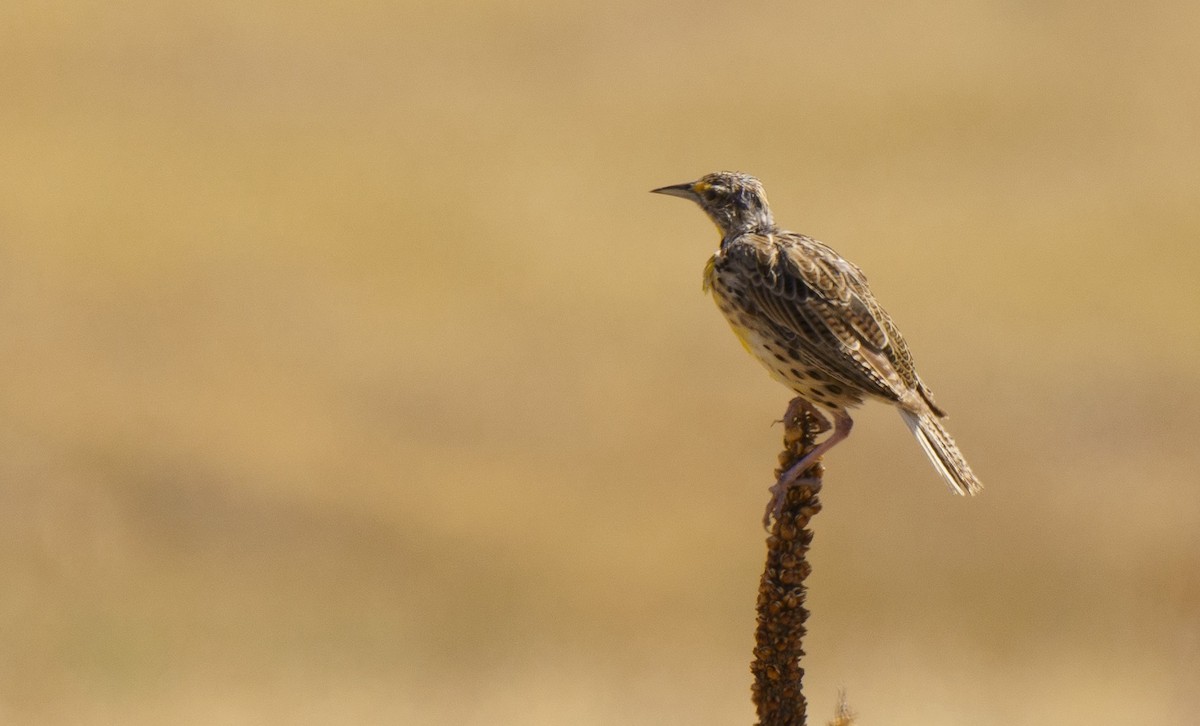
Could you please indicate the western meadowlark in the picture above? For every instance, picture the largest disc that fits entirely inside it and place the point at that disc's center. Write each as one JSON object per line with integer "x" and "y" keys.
{"x": 807, "y": 314}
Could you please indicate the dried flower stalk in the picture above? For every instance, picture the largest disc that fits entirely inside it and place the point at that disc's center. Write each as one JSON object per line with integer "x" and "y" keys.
{"x": 778, "y": 676}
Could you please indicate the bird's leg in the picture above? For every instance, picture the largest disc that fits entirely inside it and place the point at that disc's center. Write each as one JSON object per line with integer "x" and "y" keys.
{"x": 842, "y": 423}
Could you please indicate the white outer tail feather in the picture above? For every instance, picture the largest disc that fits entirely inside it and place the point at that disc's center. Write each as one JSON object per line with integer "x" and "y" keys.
{"x": 942, "y": 451}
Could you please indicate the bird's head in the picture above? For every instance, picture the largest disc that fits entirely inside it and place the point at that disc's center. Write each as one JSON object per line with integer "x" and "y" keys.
{"x": 734, "y": 201}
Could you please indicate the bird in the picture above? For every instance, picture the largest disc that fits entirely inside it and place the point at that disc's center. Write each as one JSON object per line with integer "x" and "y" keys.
{"x": 809, "y": 316}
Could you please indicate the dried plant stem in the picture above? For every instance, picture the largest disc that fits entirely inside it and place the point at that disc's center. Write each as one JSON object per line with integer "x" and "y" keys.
{"x": 777, "y": 690}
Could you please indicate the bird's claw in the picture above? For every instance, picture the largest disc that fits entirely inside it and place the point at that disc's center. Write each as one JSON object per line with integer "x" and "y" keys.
{"x": 779, "y": 492}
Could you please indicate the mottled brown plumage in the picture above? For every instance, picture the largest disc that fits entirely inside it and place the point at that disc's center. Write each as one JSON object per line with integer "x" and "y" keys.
{"x": 808, "y": 315}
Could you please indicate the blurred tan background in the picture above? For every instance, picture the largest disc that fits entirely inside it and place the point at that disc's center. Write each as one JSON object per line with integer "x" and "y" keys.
{"x": 350, "y": 374}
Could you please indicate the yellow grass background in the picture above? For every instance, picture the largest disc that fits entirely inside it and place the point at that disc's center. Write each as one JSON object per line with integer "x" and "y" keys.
{"x": 350, "y": 375}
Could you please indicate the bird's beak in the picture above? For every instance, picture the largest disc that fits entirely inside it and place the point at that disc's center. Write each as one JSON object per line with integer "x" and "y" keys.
{"x": 686, "y": 191}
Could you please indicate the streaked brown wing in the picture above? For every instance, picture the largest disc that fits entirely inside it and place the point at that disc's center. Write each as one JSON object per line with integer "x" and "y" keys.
{"x": 810, "y": 293}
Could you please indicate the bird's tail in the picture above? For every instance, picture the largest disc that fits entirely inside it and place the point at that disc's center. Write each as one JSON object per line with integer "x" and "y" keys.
{"x": 942, "y": 451}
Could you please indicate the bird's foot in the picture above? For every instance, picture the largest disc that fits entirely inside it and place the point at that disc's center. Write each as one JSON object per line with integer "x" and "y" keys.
{"x": 779, "y": 493}
{"x": 800, "y": 405}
